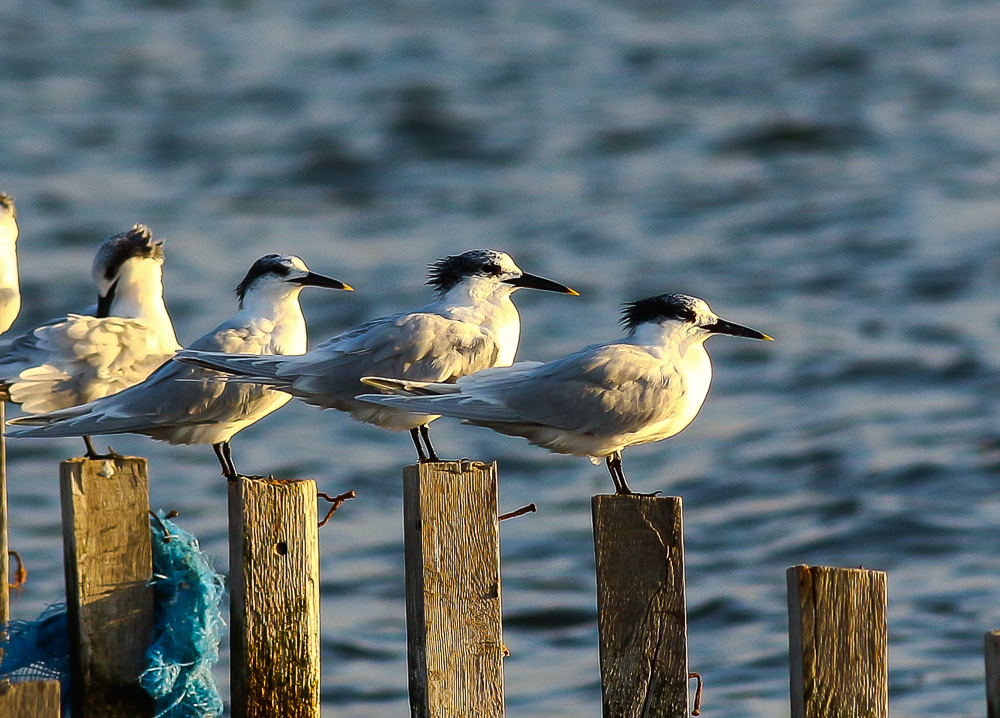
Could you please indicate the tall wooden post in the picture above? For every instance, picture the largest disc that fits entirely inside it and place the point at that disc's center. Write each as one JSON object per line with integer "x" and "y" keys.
{"x": 837, "y": 642}
{"x": 992, "y": 654}
{"x": 35, "y": 699}
{"x": 108, "y": 562}
{"x": 4, "y": 545}
{"x": 274, "y": 593}
{"x": 451, "y": 536}
{"x": 641, "y": 605}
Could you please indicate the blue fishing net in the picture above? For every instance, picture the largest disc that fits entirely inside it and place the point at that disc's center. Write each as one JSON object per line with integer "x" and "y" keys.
{"x": 38, "y": 650}
{"x": 187, "y": 596}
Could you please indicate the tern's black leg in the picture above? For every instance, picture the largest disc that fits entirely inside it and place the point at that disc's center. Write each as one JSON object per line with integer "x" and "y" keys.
{"x": 421, "y": 456}
{"x": 614, "y": 462}
{"x": 225, "y": 456}
{"x": 425, "y": 434}
{"x": 92, "y": 453}
{"x": 618, "y": 476}
{"x": 227, "y": 451}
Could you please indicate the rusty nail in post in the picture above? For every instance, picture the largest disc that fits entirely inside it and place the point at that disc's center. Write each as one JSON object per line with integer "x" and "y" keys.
{"x": 696, "y": 711}
{"x": 163, "y": 526}
{"x": 529, "y": 509}
{"x": 20, "y": 574}
{"x": 335, "y": 502}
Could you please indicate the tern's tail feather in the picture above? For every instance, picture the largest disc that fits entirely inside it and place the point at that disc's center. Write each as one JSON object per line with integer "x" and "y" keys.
{"x": 71, "y": 421}
{"x": 246, "y": 367}
{"x": 410, "y": 388}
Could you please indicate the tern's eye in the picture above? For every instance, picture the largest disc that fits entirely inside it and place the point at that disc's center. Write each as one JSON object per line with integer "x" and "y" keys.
{"x": 493, "y": 269}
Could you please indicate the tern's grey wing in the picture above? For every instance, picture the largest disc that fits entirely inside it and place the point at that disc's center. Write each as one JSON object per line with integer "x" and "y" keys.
{"x": 603, "y": 390}
{"x": 16, "y": 353}
{"x": 173, "y": 394}
{"x": 82, "y": 358}
{"x": 417, "y": 346}
{"x": 177, "y": 393}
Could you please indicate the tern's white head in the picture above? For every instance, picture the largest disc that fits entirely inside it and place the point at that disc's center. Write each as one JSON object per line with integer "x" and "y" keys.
{"x": 682, "y": 317}
{"x": 276, "y": 277}
{"x": 486, "y": 272}
{"x": 128, "y": 271}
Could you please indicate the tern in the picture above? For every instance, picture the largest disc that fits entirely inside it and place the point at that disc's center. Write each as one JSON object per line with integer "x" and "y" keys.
{"x": 594, "y": 402}
{"x": 473, "y": 325}
{"x": 10, "y": 290}
{"x": 116, "y": 343}
{"x": 184, "y": 404}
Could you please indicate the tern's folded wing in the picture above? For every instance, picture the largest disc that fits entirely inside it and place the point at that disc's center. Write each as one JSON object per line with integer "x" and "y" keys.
{"x": 82, "y": 358}
{"x": 173, "y": 394}
{"x": 603, "y": 390}
{"x": 418, "y": 347}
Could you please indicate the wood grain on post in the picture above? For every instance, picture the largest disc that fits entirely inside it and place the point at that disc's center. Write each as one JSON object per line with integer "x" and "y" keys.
{"x": 274, "y": 595}
{"x": 4, "y": 545}
{"x": 992, "y": 654}
{"x": 109, "y": 602}
{"x": 641, "y": 605}
{"x": 837, "y": 642}
{"x": 451, "y": 536}
{"x": 34, "y": 699}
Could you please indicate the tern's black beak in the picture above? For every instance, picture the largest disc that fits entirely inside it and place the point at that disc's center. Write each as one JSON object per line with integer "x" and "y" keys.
{"x": 737, "y": 330}
{"x": 318, "y": 280}
{"x": 531, "y": 281}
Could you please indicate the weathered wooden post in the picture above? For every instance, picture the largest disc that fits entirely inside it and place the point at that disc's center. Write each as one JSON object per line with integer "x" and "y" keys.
{"x": 837, "y": 642}
{"x": 641, "y": 605}
{"x": 108, "y": 562}
{"x": 32, "y": 699}
{"x": 992, "y": 653}
{"x": 35, "y": 699}
{"x": 274, "y": 593}
{"x": 4, "y": 545}
{"x": 451, "y": 537}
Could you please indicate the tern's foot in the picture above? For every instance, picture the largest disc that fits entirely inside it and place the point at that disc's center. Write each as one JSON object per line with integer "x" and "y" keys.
{"x": 91, "y": 452}
{"x": 255, "y": 477}
{"x": 94, "y": 456}
{"x": 628, "y": 492}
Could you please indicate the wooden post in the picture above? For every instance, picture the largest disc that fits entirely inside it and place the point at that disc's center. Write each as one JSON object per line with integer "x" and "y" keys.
{"x": 4, "y": 545}
{"x": 641, "y": 605}
{"x": 451, "y": 537}
{"x": 34, "y": 699}
{"x": 274, "y": 594}
{"x": 108, "y": 562}
{"x": 837, "y": 642}
{"x": 993, "y": 674}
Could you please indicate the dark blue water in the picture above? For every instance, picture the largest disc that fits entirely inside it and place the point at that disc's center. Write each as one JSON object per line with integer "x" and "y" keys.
{"x": 826, "y": 171}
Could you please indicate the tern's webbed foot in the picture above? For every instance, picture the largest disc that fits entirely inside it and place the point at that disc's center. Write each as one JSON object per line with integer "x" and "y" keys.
{"x": 92, "y": 454}
{"x": 252, "y": 477}
{"x": 650, "y": 495}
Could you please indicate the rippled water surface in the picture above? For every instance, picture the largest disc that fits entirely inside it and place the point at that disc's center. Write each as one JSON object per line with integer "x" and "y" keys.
{"x": 826, "y": 171}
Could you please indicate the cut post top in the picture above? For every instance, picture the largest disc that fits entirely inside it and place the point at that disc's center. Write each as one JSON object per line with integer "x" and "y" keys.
{"x": 455, "y": 467}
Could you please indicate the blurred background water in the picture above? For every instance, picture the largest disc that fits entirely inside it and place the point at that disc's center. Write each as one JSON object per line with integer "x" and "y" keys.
{"x": 827, "y": 171}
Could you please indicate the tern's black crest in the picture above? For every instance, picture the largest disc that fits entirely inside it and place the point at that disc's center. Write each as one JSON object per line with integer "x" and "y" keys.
{"x": 7, "y": 203}
{"x": 445, "y": 273}
{"x": 119, "y": 248}
{"x": 655, "y": 309}
{"x": 276, "y": 264}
